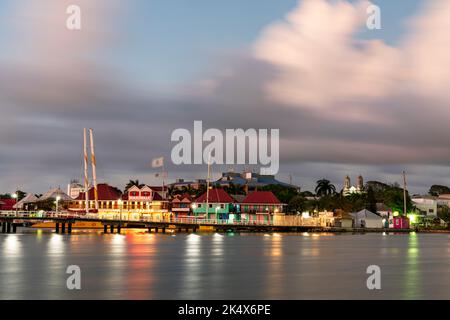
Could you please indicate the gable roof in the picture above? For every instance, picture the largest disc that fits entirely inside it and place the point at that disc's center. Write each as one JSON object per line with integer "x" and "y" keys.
{"x": 105, "y": 192}
{"x": 266, "y": 197}
{"x": 216, "y": 195}
{"x": 365, "y": 214}
{"x": 53, "y": 193}
{"x": 28, "y": 199}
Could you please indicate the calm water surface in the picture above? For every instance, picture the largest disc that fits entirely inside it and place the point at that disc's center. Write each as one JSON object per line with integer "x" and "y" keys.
{"x": 137, "y": 265}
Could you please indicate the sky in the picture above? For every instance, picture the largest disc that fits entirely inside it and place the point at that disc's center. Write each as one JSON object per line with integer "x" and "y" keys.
{"x": 346, "y": 99}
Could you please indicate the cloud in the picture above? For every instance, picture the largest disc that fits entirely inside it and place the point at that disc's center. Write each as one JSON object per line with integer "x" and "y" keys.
{"x": 342, "y": 104}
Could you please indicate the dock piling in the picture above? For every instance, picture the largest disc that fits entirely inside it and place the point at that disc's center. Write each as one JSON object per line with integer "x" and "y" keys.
{"x": 8, "y": 227}
{"x": 69, "y": 228}
{"x": 105, "y": 228}
{"x": 111, "y": 228}
{"x": 63, "y": 228}
{"x": 57, "y": 227}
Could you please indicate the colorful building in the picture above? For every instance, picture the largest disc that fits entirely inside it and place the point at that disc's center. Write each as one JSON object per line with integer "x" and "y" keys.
{"x": 260, "y": 206}
{"x": 136, "y": 203}
{"x": 220, "y": 205}
{"x": 181, "y": 206}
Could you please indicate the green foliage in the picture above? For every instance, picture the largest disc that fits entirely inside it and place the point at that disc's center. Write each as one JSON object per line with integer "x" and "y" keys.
{"x": 324, "y": 188}
{"x": 133, "y": 183}
{"x": 284, "y": 194}
{"x": 436, "y": 190}
{"x": 297, "y": 204}
{"x": 444, "y": 213}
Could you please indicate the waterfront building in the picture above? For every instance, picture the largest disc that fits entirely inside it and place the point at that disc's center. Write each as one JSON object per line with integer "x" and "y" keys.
{"x": 260, "y": 206}
{"x": 145, "y": 201}
{"x": 426, "y": 206}
{"x": 136, "y": 203}
{"x": 367, "y": 219}
{"x": 349, "y": 189}
{"x": 27, "y": 203}
{"x": 7, "y": 204}
{"x": 54, "y": 193}
{"x": 108, "y": 199}
{"x": 220, "y": 205}
{"x": 181, "y": 205}
{"x": 179, "y": 184}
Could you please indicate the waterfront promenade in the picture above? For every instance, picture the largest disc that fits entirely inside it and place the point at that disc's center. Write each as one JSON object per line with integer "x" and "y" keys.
{"x": 64, "y": 222}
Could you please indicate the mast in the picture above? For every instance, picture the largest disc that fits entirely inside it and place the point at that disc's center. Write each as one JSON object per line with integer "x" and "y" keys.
{"x": 404, "y": 193}
{"x": 86, "y": 178}
{"x": 94, "y": 168}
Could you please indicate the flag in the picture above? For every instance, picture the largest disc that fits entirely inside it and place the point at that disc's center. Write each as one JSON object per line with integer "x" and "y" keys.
{"x": 158, "y": 162}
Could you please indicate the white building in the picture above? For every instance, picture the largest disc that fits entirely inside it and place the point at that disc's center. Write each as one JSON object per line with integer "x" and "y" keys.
{"x": 426, "y": 205}
{"x": 367, "y": 219}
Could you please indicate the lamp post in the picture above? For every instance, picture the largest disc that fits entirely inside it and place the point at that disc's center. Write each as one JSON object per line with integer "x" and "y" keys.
{"x": 15, "y": 197}
{"x": 57, "y": 201}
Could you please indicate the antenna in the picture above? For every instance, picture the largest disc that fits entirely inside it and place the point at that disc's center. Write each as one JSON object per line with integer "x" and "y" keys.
{"x": 404, "y": 193}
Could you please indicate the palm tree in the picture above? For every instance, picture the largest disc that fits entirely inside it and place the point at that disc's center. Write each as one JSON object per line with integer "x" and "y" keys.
{"x": 133, "y": 183}
{"x": 324, "y": 187}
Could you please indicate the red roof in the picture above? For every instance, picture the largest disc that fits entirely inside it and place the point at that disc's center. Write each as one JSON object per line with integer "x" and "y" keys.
{"x": 266, "y": 197}
{"x": 105, "y": 192}
{"x": 216, "y": 196}
{"x": 7, "y": 204}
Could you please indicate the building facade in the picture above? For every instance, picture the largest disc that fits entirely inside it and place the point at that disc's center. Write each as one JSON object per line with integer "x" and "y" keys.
{"x": 260, "y": 206}
{"x": 218, "y": 206}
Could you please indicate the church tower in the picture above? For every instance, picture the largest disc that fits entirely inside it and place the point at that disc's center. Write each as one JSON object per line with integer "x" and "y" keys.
{"x": 347, "y": 184}
{"x": 360, "y": 184}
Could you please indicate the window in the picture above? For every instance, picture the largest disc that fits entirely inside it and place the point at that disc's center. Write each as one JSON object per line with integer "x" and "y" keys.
{"x": 431, "y": 210}
{"x": 222, "y": 206}
{"x": 210, "y": 205}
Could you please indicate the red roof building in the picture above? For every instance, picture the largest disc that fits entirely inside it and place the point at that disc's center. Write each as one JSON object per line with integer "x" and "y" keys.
{"x": 259, "y": 205}
{"x": 216, "y": 195}
{"x": 7, "y": 204}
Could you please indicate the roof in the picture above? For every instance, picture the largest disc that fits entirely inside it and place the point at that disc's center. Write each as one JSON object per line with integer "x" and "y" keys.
{"x": 105, "y": 192}
{"x": 216, "y": 195}
{"x": 28, "y": 199}
{"x": 266, "y": 197}
{"x": 8, "y": 204}
{"x": 365, "y": 214}
{"x": 53, "y": 193}
{"x": 186, "y": 198}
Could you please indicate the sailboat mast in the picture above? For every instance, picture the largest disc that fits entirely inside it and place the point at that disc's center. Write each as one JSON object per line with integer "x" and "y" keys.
{"x": 94, "y": 168}
{"x": 86, "y": 178}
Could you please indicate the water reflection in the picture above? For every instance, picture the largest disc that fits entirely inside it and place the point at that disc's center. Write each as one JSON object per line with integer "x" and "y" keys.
{"x": 412, "y": 279}
{"x": 192, "y": 263}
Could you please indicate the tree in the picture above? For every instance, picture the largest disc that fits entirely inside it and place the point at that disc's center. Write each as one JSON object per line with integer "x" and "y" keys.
{"x": 324, "y": 187}
{"x": 297, "y": 204}
{"x": 133, "y": 183}
{"x": 283, "y": 193}
{"x": 20, "y": 195}
{"x": 371, "y": 201}
{"x": 436, "y": 190}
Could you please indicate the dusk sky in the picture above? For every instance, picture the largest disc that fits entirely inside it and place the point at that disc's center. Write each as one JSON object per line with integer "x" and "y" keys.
{"x": 347, "y": 100}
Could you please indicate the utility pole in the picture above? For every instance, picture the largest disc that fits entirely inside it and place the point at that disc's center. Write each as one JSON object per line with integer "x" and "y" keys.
{"x": 207, "y": 187}
{"x": 404, "y": 193}
{"x": 86, "y": 177}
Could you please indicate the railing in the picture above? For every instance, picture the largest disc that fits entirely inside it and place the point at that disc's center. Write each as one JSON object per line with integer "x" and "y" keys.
{"x": 286, "y": 221}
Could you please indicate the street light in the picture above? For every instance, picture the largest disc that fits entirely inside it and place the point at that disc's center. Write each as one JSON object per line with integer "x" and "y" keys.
{"x": 57, "y": 201}
{"x": 15, "y": 196}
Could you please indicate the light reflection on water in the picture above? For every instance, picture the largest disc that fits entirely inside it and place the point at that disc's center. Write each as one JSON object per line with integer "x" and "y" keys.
{"x": 138, "y": 265}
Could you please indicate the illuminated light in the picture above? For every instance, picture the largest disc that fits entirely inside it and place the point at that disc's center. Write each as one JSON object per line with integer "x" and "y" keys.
{"x": 194, "y": 206}
{"x": 305, "y": 234}
{"x": 15, "y": 196}
{"x": 276, "y": 235}
{"x": 305, "y": 215}
{"x": 396, "y": 214}
{"x": 266, "y": 235}
{"x": 413, "y": 218}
